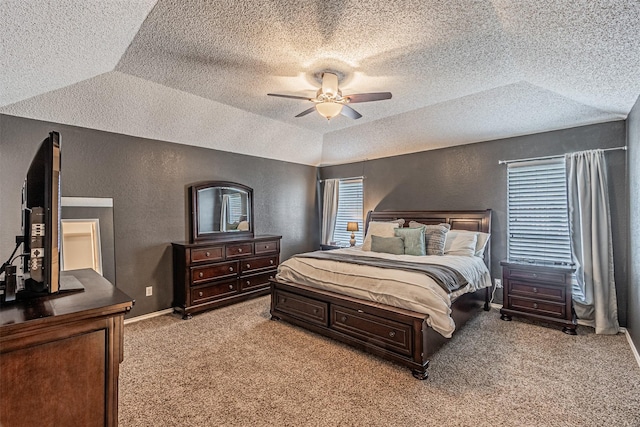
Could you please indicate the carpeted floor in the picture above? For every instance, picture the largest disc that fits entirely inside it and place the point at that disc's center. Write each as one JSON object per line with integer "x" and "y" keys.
{"x": 235, "y": 367}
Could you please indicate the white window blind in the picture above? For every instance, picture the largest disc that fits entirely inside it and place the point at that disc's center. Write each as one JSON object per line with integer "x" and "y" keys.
{"x": 350, "y": 202}
{"x": 537, "y": 212}
{"x": 235, "y": 207}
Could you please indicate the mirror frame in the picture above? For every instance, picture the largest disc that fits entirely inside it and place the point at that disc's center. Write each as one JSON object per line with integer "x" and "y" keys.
{"x": 196, "y": 235}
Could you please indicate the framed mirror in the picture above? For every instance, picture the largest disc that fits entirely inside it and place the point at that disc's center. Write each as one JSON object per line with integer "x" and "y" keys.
{"x": 221, "y": 210}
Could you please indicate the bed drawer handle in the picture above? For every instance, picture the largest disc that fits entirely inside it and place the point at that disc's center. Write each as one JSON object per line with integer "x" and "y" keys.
{"x": 230, "y": 268}
{"x": 343, "y": 319}
{"x": 230, "y": 286}
{"x": 535, "y": 275}
{"x": 283, "y": 299}
{"x": 535, "y": 290}
{"x": 248, "y": 265}
{"x": 271, "y": 261}
{"x": 201, "y": 274}
{"x": 315, "y": 311}
{"x": 535, "y": 305}
{"x": 208, "y": 254}
{"x": 200, "y": 294}
{"x": 248, "y": 283}
{"x": 392, "y": 334}
{"x": 239, "y": 250}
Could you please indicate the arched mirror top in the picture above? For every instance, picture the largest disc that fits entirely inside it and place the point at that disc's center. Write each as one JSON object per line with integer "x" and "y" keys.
{"x": 221, "y": 210}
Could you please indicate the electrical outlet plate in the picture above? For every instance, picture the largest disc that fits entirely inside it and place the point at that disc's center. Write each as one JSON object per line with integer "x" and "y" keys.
{"x": 149, "y": 291}
{"x": 497, "y": 283}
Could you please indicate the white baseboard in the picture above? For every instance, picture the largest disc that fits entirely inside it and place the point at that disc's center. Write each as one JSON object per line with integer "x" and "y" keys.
{"x": 148, "y": 316}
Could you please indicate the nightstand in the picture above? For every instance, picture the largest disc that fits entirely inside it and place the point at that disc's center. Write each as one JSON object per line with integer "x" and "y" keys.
{"x": 540, "y": 292}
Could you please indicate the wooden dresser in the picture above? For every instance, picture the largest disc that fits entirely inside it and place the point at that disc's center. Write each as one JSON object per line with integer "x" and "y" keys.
{"x": 60, "y": 356}
{"x": 538, "y": 291}
{"x": 212, "y": 274}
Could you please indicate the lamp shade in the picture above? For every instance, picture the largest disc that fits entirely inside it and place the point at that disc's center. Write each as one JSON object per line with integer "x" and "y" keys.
{"x": 352, "y": 226}
{"x": 329, "y": 109}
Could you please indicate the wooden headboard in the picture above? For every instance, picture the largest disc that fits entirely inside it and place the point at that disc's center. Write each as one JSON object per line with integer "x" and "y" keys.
{"x": 459, "y": 220}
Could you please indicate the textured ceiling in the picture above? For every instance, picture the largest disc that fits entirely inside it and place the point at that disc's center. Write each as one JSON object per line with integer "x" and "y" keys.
{"x": 460, "y": 71}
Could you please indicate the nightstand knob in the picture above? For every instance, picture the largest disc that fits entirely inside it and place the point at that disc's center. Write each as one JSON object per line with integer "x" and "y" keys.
{"x": 200, "y": 294}
{"x": 230, "y": 268}
{"x": 248, "y": 265}
{"x": 207, "y": 253}
{"x": 535, "y": 305}
{"x": 201, "y": 274}
{"x": 392, "y": 334}
{"x": 271, "y": 261}
{"x": 535, "y": 290}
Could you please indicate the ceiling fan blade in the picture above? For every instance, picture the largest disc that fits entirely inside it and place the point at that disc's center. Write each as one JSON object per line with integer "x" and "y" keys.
{"x": 291, "y": 96}
{"x": 350, "y": 112}
{"x": 307, "y": 111}
{"x": 368, "y": 97}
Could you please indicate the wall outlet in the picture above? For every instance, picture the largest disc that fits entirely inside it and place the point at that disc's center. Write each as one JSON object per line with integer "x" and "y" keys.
{"x": 498, "y": 283}
{"x": 149, "y": 291}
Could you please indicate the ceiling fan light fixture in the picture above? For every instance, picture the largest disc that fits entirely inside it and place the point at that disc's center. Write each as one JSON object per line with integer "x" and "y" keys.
{"x": 329, "y": 110}
{"x": 329, "y": 84}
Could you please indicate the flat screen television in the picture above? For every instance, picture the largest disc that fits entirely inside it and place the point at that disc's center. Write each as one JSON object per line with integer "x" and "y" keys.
{"x": 41, "y": 219}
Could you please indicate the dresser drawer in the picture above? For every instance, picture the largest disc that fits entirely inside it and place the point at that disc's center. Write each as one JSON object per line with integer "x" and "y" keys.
{"x": 254, "y": 264}
{"x": 542, "y": 308}
{"x": 257, "y": 280}
{"x": 543, "y": 276}
{"x": 304, "y": 308}
{"x": 266, "y": 247}
{"x": 214, "y": 253}
{"x": 386, "y": 333}
{"x": 210, "y": 272}
{"x": 202, "y": 294}
{"x": 551, "y": 293}
{"x": 244, "y": 249}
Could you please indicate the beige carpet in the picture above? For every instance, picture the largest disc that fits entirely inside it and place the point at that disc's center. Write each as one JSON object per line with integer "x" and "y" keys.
{"x": 235, "y": 367}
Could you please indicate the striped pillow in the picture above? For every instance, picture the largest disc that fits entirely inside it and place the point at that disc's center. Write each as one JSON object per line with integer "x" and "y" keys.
{"x": 435, "y": 236}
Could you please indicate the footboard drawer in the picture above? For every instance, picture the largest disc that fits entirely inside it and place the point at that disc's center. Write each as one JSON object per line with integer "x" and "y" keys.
{"x": 383, "y": 332}
{"x": 304, "y": 308}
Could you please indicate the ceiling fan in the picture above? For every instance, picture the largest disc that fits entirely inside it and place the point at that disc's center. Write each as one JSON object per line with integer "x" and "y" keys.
{"x": 329, "y": 101}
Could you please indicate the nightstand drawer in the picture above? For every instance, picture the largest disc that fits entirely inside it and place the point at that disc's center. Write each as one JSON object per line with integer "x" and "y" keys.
{"x": 551, "y": 293}
{"x": 543, "y": 276}
{"x": 211, "y": 272}
{"x": 542, "y": 308}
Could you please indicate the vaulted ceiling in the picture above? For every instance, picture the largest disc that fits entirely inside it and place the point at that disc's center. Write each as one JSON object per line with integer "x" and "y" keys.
{"x": 197, "y": 72}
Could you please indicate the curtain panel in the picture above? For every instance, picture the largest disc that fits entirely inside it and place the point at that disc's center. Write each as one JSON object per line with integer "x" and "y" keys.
{"x": 329, "y": 209}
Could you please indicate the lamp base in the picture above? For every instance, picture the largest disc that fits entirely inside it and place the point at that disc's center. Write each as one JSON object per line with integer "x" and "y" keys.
{"x": 353, "y": 239}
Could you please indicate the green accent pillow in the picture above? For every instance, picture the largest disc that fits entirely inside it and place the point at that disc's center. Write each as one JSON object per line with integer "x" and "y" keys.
{"x": 389, "y": 245}
{"x": 414, "y": 241}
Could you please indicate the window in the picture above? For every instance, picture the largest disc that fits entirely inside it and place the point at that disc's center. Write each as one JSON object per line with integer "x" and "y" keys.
{"x": 350, "y": 203}
{"x": 537, "y": 212}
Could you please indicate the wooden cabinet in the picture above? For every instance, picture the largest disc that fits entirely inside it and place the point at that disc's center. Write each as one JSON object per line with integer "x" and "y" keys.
{"x": 60, "y": 356}
{"x": 538, "y": 291}
{"x": 212, "y": 274}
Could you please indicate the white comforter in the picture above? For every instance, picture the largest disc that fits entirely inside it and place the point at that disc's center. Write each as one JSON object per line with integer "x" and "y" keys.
{"x": 405, "y": 289}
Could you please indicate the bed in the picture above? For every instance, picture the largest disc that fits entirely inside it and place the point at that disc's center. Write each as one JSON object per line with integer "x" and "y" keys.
{"x": 405, "y": 333}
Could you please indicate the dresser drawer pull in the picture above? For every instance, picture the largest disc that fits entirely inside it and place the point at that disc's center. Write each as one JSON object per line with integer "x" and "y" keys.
{"x": 230, "y": 286}
{"x": 535, "y": 275}
{"x": 200, "y": 294}
{"x": 208, "y": 254}
{"x": 248, "y": 282}
{"x": 239, "y": 250}
{"x": 271, "y": 261}
{"x": 535, "y": 290}
{"x": 343, "y": 319}
{"x": 248, "y": 265}
{"x": 201, "y": 274}
{"x": 230, "y": 268}
{"x": 392, "y": 334}
{"x": 315, "y": 311}
{"x": 283, "y": 299}
{"x": 535, "y": 305}
{"x": 266, "y": 246}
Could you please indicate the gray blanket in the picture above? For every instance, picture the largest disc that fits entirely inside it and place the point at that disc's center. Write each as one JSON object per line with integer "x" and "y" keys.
{"x": 446, "y": 277}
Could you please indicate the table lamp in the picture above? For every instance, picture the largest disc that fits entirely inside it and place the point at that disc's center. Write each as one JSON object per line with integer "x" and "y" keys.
{"x": 352, "y": 227}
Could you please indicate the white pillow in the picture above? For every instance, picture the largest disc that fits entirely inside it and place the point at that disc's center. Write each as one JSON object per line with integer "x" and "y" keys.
{"x": 483, "y": 238}
{"x": 458, "y": 243}
{"x": 381, "y": 229}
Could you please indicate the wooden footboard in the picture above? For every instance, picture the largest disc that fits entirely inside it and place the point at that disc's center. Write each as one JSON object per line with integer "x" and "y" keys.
{"x": 392, "y": 333}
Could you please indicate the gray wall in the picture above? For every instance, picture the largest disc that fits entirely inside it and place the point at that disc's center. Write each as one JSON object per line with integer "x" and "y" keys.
{"x": 469, "y": 177}
{"x": 633, "y": 162}
{"x": 148, "y": 181}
